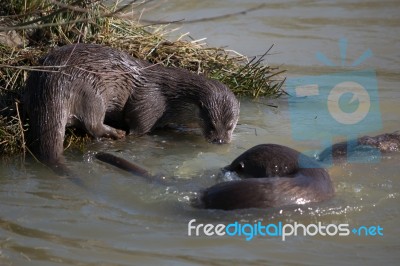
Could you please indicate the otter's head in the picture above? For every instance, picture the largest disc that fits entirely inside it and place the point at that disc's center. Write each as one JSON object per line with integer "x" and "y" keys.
{"x": 269, "y": 160}
{"x": 219, "y": 114}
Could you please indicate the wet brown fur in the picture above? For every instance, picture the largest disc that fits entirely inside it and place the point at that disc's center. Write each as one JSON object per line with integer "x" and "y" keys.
{"x": 276, "y": 175}
{"x": 272, "y": 178}
{"x": 107, "y": 92}
{"x": 266, "y": 187}
{"x": 385, "y": 143}
{"x": 272, "y": 175}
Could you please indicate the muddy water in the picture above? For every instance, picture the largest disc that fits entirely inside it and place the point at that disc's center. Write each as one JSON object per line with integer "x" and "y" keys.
{"x": 123, "y": 220}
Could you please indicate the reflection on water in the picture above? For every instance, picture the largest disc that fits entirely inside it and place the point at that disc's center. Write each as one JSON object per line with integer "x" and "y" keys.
{"x": 124, "y": 220}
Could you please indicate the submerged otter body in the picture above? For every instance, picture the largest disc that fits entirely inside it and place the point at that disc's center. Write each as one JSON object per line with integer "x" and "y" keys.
{"x": 276, "y": 175}
{"x": 385, "y": 143}
{"x": 272, "y": 177}
{"x": 107, "y": 92}
{"x": 267, "y": 180}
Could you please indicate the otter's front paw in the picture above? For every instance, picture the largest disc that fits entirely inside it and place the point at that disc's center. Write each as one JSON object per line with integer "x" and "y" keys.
{"x": 118, "y": 134}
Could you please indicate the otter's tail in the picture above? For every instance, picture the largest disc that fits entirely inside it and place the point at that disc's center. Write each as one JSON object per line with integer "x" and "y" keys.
{"x": 131, "y": 168}
{"x": 123, "y": 164}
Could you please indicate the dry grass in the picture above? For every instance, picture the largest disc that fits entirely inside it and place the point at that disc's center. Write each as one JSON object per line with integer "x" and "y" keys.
{"x": 39, "y": 25}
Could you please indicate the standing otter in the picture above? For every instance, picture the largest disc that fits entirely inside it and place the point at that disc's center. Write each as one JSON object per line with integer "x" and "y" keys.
{"x": 271, "y": 176}
{"x": 107, "y": 92}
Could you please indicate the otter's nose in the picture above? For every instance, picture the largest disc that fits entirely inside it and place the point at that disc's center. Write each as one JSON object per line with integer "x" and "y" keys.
{"x": 217, "y": 141}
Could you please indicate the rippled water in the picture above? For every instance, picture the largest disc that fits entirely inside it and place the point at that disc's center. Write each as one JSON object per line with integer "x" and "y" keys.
{"x": 123, "y": 220}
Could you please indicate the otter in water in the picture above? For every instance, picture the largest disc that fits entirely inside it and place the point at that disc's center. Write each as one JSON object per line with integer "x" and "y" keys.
{"x": 107, "y": 92}
{"x": 271, "y": 176}
{"x": 275, "y": 175}
{"x": 384, "y": 143}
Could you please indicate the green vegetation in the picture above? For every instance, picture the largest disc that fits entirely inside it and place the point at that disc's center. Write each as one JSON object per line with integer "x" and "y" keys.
{"x": 30, "y": 28}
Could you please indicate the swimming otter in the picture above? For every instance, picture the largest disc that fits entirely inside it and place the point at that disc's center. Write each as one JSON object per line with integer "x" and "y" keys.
{"x": 275, "y": 176}
{"x": 272, "y": 175}
{"x": 271, "y": 178}
{"x": 385, "y": 143}
{"x": 107, "y": 92}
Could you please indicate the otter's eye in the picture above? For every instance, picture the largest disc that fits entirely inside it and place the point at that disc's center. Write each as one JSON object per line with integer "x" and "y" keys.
{"x": 230, "y": 127}
{"x": 212, "y": 125}
{"x": 237, "y": 167}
